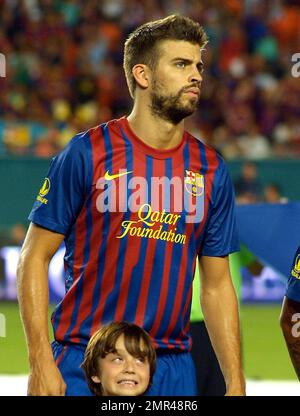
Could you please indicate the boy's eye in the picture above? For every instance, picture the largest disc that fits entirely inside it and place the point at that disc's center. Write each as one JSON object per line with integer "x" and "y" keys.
{"x": 140, "y": 360}
{"x": 117, "y": 359}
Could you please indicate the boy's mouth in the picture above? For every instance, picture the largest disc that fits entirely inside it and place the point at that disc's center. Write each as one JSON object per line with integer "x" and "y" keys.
{"x": 128, "y": 382}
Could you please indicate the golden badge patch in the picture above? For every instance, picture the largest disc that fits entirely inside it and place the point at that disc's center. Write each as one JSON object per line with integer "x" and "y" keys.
{"x": 296, "y": 268}
{"x": 44, "y": 191}
{"x": 194, "y": 183}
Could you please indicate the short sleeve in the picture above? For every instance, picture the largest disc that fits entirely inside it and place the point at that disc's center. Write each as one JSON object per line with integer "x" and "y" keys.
{"x": 293, "y": 283}
{"x": 221, "y": 236}
{"x": 63, "y": 192}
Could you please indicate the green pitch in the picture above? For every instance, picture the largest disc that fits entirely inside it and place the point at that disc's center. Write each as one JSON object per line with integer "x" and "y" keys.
{"x": 264, "y": 351}
{"x": 13, "y": 349}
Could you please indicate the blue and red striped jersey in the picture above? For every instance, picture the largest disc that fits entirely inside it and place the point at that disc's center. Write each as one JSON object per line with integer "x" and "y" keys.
{"x": 134, "y": 220}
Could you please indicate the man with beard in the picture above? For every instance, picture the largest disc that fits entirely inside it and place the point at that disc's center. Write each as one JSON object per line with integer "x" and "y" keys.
{"x": 137, "y": 200}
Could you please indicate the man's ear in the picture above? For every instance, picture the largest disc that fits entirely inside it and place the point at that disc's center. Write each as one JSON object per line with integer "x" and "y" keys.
{"x": 96, "y": 379}
{"x": 141, "y": 75}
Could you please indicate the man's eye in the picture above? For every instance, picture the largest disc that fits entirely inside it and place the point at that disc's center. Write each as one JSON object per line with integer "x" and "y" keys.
{"x": 180, "y": 64}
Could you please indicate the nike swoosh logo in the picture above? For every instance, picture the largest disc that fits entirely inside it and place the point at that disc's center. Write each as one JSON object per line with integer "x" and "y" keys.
{"x": 109, "y": 177}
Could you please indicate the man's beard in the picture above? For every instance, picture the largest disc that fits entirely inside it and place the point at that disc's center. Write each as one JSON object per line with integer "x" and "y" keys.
{"x": 169, "y": 107}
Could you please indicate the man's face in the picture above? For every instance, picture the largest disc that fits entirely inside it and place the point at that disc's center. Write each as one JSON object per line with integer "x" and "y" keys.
{"x": 176, "y": 80}
{"x": 121, "y": 374}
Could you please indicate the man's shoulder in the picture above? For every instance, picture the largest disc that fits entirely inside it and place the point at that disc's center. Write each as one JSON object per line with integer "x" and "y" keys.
{"x": 210, "y": 152}
{"x": 295, "y": 270}
{"x": 293, "y": 284}
{"x": 92, "y": 133}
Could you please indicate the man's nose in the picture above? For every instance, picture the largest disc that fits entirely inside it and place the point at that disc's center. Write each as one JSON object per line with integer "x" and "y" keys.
{"x": 196, "y": 76}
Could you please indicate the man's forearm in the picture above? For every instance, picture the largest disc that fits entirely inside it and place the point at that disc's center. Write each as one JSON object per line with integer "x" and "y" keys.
{"x": 291, "y": 331}
{"x": 33, "y": 297}
{"x": 39, "y": 247}
{"x": 220, "y": 310}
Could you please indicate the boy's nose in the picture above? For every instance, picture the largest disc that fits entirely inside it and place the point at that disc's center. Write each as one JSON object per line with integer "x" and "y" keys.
{"x": 129, "y": 366}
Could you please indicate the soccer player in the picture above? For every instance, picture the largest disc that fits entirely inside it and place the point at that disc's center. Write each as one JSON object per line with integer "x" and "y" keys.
{"x": 136, "y": 201}
{"x": 119, "y": 360}
{"x": 290, "y": 314}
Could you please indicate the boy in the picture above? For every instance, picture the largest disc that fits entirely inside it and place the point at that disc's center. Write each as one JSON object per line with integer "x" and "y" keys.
{"x": 119, "y": 360}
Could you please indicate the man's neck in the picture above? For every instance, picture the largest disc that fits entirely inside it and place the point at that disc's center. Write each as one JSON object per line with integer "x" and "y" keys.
{"x": 155, "y": 131}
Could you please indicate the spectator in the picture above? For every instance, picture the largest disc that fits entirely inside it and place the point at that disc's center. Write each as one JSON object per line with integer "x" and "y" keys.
{"x": 272, "y": 194}
{"x": 254, "y": 145}
{"x": 247, "y": 186}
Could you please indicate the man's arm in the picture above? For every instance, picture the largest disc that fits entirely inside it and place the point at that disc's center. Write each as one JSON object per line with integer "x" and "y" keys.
{"x": 32, "y": 279}
{"x": 291, "y": 330}
{"x": 220, "y": 310}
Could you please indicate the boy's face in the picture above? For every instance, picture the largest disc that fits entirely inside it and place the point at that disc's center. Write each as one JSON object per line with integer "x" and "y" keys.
{"x": 121, "y": 374}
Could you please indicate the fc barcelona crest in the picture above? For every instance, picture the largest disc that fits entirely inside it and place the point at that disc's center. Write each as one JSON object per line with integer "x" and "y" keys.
{"x": 194, "y": 183}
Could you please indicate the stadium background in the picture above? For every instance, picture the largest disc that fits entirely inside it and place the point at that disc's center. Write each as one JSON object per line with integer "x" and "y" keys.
{"x": 64, "y": 74}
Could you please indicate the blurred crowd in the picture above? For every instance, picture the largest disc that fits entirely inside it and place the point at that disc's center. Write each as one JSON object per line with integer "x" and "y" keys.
{"x": 64, "y": 72}
{"x": 249, "y": 188}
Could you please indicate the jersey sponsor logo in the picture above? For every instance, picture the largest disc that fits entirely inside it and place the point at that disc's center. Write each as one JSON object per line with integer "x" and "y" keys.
{"x": 126, "y": 195}
{"x": 145, "y": 225}
{"x": 194, "y": 183}
{"x": 110, "y": 177}
{"x": 296, "y": 268}
{"x": 44, "y": 191}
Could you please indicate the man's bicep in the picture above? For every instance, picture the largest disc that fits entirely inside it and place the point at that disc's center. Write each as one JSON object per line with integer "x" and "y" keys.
{"x": 213, "y": 270}
{"x": 221, "y": 236}
{"x": 41, "y": 242}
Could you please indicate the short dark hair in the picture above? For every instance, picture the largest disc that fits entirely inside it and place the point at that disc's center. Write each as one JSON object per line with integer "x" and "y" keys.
{"x": 104, "y": 341}
{"x": 141, "y": 45}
